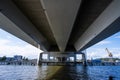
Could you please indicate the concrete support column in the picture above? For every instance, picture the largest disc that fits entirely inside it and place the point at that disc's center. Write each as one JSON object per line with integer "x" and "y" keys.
{"x": 69, "y": 59}
{"x": 60, "y": 59}
{"x": 40, "y": 59}
{"x": 54, "y": 58}
{"x": 48, "y": 57}
{"x": 75, "y": 58}
{"x": 64, "y": 59}
{"x": 84, "y": 59}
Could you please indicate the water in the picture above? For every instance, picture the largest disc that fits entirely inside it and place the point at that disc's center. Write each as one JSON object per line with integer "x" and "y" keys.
{"x": 64, "y": 73}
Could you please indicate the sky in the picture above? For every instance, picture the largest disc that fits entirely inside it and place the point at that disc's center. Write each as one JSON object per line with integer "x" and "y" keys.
{"x": 98, "y": 50}
{"x": 11, "y": 45}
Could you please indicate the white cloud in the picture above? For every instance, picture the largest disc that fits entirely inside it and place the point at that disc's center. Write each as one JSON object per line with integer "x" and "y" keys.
{"x": 101, "y": 53}
{"x": 96, "y": 53}
{"x": 103, "y": 42}
{"x": 4, "y": 42}
{"x": 25, "y": 50}
{"x": 8, "y": 37}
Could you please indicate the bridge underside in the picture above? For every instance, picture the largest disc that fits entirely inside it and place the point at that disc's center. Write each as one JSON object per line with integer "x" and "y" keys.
{"x": 60, "y": 26}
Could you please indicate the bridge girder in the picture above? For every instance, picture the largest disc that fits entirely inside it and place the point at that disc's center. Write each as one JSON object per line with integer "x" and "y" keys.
{"x": 60, "y": 26}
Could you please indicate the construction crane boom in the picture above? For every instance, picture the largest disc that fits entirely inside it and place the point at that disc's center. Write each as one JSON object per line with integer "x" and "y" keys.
{"x": 109, "y": 53}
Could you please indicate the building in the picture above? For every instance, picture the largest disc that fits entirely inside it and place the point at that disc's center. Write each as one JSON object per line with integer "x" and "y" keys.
{"x": 9, "y": 59}
{"x": 17, "y": 58}
{"x": 96, "y": 61}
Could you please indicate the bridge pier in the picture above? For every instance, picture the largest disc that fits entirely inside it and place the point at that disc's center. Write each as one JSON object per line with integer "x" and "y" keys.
{"x": 74, "y": 58}
{"x": 40, "y": 59}
{"x": 68, "y": 59}
{"x": 58, "y": 58}
{"x": 48, "y": 57}
{"x": 61, "y": 58}
{"x": 84, "y": 59}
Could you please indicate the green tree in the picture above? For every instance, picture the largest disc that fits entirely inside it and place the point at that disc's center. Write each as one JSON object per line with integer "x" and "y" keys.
{"x": 26, "y": 59}
{"x": 3, "y": 58}
{"x": 23, "y": 58}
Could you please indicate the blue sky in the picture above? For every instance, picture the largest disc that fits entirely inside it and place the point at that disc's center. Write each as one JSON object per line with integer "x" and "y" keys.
{"x": 11, "y": 45}
{"x": 112, "y": 43}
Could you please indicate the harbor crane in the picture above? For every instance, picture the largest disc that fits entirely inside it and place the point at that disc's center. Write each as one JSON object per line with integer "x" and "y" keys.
{"x": 109, "y": 53}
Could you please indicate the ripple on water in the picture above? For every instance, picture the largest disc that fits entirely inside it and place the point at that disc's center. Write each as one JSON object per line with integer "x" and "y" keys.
{"x": 65, "y": 73}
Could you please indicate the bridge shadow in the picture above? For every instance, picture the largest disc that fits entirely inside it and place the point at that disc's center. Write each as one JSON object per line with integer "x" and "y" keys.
{"x": 71, "y": 73}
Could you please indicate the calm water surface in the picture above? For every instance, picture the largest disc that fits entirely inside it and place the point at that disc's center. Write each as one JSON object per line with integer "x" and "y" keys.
{"x": 65, "y": 73}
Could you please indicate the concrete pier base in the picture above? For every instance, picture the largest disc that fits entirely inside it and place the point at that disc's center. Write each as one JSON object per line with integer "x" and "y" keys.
{"x": 61, "y": 58}
{"x": 84, "y": 59}
{"x": 57, "y": 58}
{"x": 40, "y": 59}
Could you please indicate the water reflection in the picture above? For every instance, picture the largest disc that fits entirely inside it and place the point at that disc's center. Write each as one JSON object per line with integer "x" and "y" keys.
{"x": 82, "y": 73}
{"x": 46, "y": 72}
{"x": 58, "y": 72}
{"x": 78, "y": 72}
{"x": 71, "y": 73}
{"x": 42, "y": 72}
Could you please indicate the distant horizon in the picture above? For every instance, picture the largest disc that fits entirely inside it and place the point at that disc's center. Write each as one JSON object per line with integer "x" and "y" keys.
{"x": 18, "y": 55}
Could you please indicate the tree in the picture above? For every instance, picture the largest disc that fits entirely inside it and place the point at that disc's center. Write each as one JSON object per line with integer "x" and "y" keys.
{"x": 23, "y": 58}
{"x": 26, "y": 59}
{"x": 3, "y": 58}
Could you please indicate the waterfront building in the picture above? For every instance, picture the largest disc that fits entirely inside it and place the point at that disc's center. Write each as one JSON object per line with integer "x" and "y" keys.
{"x": 17, "y": 58}
{"x": 96, "y": 61}
{"x": 9, "y": 59}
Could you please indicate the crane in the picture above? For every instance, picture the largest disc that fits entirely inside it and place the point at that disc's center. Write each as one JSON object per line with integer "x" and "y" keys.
{"x": 109, "y": 53}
